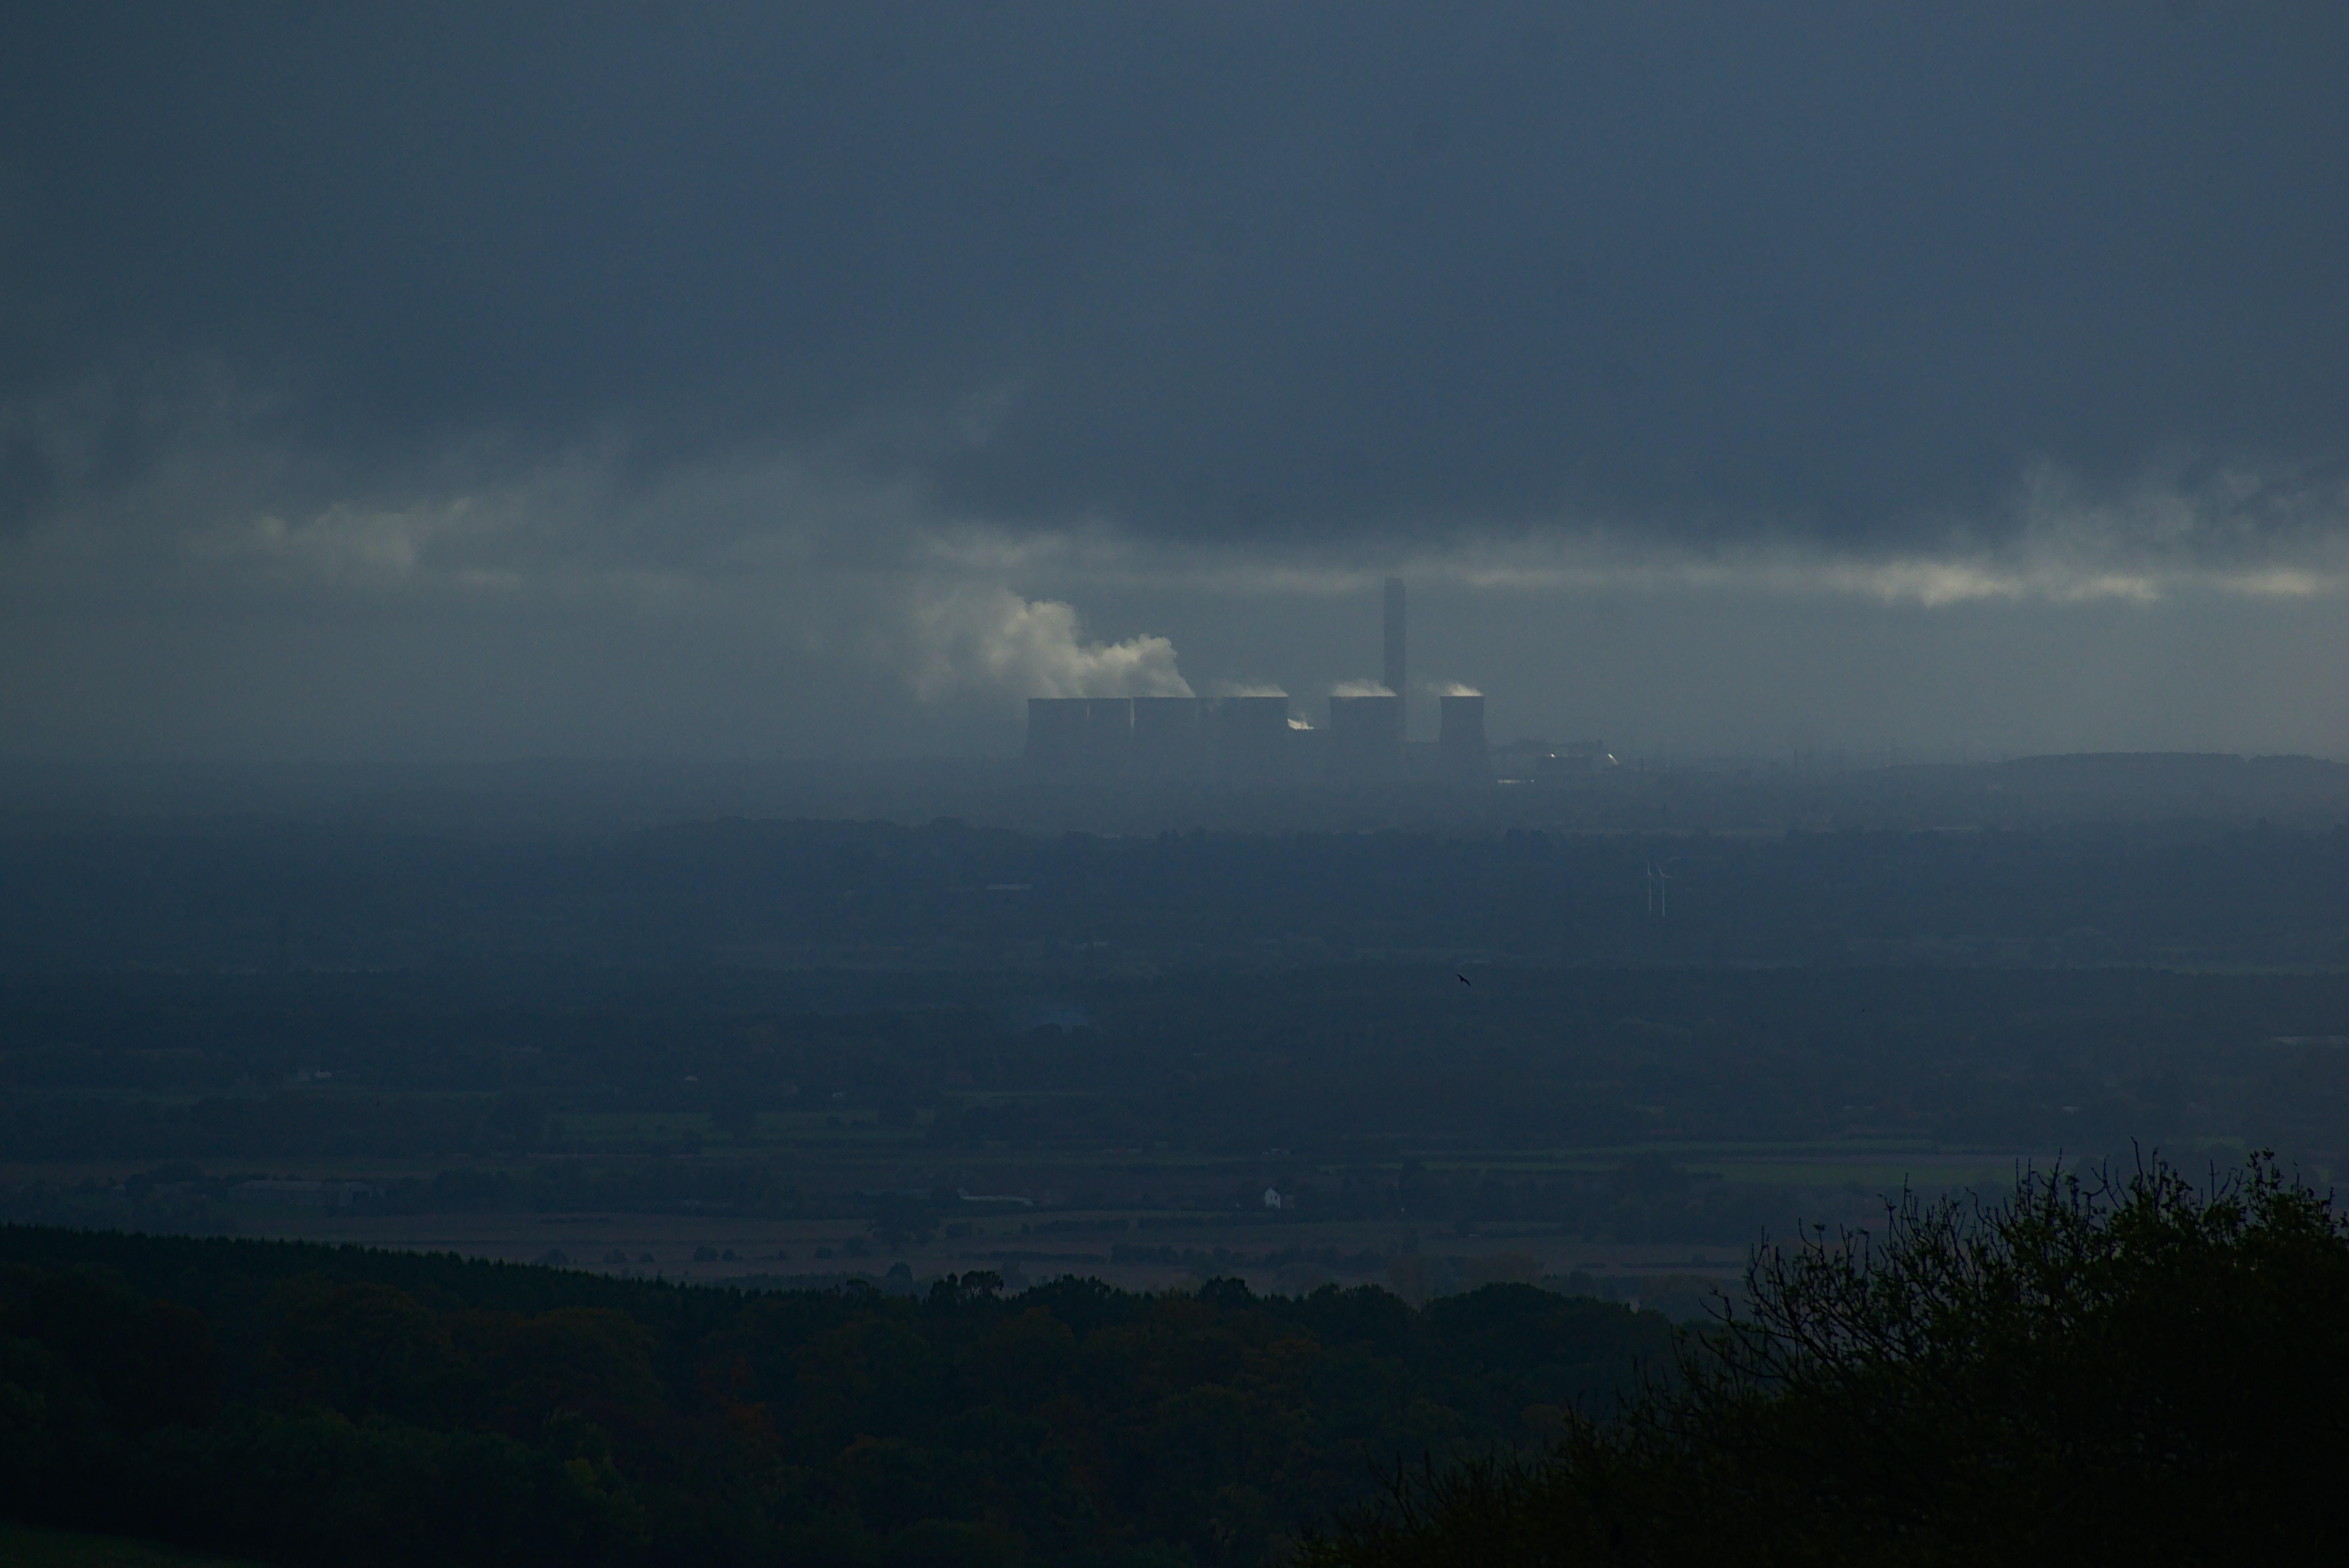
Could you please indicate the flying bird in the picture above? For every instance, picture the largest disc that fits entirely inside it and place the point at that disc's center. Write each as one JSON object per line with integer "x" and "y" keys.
{"x": 1463, "y": 979}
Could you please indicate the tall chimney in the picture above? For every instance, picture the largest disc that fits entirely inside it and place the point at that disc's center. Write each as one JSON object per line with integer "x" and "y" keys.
{"x": 1394, "y": 671}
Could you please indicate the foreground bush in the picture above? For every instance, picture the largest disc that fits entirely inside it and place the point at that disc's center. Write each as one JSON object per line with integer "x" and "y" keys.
{"x": 2114, "y": 1370}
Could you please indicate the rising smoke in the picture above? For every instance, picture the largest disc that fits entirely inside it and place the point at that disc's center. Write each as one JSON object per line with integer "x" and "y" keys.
{"x": 991, "y": 642}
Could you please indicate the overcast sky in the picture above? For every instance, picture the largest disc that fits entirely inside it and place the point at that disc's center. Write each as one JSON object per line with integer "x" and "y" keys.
{"x": 672, "y": 380}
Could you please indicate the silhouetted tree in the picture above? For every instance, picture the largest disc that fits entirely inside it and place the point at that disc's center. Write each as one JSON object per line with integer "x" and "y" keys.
{"x": 2118, "y": 1367}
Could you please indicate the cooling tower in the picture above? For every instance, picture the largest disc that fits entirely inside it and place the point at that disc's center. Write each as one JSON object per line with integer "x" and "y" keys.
{"x": 1170, "y": 736}
{"x": 1109, "y": 735}
{"x": 1461, "y": 754}
{"x": 1056, "y": 734}
{"x": 1076, "y": 736}
{"x": 1365, "y": 737}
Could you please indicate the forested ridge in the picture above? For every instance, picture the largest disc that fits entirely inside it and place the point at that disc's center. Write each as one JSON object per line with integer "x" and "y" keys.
{"x": 306, "y": 1403}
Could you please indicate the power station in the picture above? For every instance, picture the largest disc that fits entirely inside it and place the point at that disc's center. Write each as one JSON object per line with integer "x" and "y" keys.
{"x": 1257, "y": 738}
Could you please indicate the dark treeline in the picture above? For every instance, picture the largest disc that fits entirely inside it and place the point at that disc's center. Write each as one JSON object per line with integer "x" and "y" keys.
{"x": 1354, "y": 1063}
{"x": 307, "y": 1405}
{"x": 245, "y": 895}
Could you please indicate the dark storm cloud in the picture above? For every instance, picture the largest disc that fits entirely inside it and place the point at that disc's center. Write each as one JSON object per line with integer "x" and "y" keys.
{"x": 1834, "y": 272}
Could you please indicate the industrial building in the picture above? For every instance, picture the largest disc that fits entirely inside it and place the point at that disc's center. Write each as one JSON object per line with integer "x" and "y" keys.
{"x": 1257, "y": 738}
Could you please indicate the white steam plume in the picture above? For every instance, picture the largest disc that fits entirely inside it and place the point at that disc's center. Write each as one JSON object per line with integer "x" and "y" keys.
{"x": 992, "y": 641}
{"x": 1359, "y": 688}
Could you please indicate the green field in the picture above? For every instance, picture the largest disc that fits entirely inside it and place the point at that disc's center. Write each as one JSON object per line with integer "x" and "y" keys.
{"x": 21, "y": 1546}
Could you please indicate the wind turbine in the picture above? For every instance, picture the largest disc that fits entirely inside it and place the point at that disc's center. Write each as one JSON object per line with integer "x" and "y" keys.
{"x": 1660, "y": 893}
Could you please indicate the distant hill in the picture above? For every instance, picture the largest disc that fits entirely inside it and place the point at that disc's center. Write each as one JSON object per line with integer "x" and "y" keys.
{"x": 2136, "y": 770}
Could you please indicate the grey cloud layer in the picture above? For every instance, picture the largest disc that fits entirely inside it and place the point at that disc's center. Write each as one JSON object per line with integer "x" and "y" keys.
{"x": 1837, "y": 275}
{"x": 465, "y": 380}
